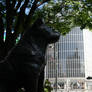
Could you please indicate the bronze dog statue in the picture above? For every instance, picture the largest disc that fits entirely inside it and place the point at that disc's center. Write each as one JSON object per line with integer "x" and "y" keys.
{"x": 25, "y": 63}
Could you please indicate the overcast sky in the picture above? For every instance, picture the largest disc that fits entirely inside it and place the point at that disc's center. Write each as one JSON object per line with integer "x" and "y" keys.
{"x": 88, "y": 51}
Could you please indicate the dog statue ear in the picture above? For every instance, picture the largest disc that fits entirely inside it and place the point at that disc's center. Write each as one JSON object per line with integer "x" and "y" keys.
{"x": 38, "y": 22}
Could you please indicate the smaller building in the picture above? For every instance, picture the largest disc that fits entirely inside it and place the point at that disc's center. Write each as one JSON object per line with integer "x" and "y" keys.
{"x": 88, "y": 84}
{"x": 68, "y": 84}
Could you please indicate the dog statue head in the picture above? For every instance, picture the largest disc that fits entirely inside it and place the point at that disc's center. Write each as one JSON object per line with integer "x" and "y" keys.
{"x": 40, "y": 29}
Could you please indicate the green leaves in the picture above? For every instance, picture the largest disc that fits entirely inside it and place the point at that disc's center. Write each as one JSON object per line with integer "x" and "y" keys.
{"x": 54, "y": 17}
{"x": 65, "y": 14}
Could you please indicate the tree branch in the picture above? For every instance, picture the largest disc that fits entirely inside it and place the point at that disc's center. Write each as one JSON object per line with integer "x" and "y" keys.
{"x": 29, "y": 17}
{"x": 2, "y": 44}
{"x": 9, "y": 21}
{"x": 42, "y": 2}
{"x": 1, "y": 30}
{"x": 8, "y": 17}
{"x": 20, "y": 19}
{"x": 18, "y": 5}
{"x": 22, "y": 9}
{"x": 13, "y": 3}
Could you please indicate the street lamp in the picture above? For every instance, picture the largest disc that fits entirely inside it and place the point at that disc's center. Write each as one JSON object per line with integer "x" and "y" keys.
{"x": 56, "y": 69}
{"x": 56, "y": 64}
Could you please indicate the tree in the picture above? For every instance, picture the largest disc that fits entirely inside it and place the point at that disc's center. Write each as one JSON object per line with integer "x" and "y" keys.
{"x": 62, "y": 15}
{"x": 47, "y": 86}
{"x": 15, "y": 18}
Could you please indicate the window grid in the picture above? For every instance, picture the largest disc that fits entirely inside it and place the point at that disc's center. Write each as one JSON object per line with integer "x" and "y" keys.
{"x": 68, "y": 56}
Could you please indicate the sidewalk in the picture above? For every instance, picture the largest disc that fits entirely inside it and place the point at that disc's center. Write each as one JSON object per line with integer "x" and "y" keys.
{"x": 73, "y": 91}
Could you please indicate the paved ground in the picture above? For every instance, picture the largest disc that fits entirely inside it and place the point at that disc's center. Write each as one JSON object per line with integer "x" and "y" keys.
{"x": 73, "y": 91}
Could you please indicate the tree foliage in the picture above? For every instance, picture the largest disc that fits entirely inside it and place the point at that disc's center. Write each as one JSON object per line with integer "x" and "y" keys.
{"x": 16, "y": 16}
{"x": 62, "y": 15}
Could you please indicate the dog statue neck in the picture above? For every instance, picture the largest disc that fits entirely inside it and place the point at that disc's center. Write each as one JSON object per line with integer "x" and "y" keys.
{"x": 38, "y": 43}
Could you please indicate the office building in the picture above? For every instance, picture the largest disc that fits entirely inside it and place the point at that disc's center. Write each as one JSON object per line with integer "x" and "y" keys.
{"x": 65, "y": 59}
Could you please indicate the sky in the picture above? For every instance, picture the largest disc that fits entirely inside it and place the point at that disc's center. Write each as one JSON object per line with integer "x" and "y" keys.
{"x": 88, "y": 51}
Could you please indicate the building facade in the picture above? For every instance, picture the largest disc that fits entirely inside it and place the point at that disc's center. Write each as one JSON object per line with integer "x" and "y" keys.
{"x": 65, "y": 59}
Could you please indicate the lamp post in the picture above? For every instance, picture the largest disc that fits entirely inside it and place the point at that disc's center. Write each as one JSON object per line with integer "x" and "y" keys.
{"x": 56, "y": 65}
{"x": 55, "y": 68}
